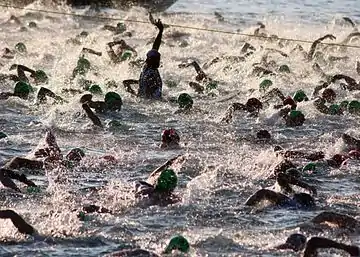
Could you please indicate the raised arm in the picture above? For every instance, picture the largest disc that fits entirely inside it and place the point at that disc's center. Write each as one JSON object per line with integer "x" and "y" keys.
{"x": 349, "y": 80}
{"x": 341, "y": 220}
{"x": 163, "y": 167}
{"x": 315, "y": 43}
{"x": 160, "y": 26}
{"x": 95, "y": 119}
{"x": 265, "y": 194}
{"x": 22, "y": 226}
{"x": 286, "y": 180}
{"x": 319, "y": 242}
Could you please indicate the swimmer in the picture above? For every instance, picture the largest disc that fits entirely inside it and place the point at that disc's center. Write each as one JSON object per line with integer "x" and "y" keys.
{"x": 252, "y": 106}
{"x": 112, "y": 102}
{"x": 298, "y": 200}
{"x": 21, "y": 90}
{"x": 350, "y": 85}
{"x": 39, "y": 76}
{"x": 118, "y": 29}
{"x": 310, "y": 55}
{"x": 170, "y": 139}
{"x": 178, "y": 243}
{"x": 285, "y": 180}
{"x": 298, "y": 242}
{"x": 159, "y": 187}
{"x": 351, "y": 142}
{"x": 150, "y": 83}
{"x": 123, "y": 51}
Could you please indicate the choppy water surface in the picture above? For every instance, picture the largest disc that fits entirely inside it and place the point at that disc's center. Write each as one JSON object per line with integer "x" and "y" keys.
{"x": 222, "y": 169}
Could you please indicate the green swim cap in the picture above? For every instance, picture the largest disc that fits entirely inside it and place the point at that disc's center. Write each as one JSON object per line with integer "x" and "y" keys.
{"x": 300, "y": 96}
{"x": 95, "y": 89}
{"x": 82, "y": 216}
{"x": 83, "y": 65}
{"x": 310, "y": 166}
{"x": 21, "y": 48}
{"x": 22, "y": 89}
{"x": 354, "y": 107}
{"x": 334, "y": 109}
{"x": 185, "y": 100}
{"x": 126, "y": 55}
{"x": 41, "y": 76}
{"x": 167, "y": 181}
{"x": 114, "y": 123}
{"x": 295, "y": 114}
{"x": 178, "y": 243}
{"x": 212, "y": 85}
{"x": 33, "y": 190}
{"x": 2, "y": 135}
{"x": 113, "y": 100}
{"x": 121, "y": 27}
{"x": 265, "y": 84}
{"x": 284, "y": 68}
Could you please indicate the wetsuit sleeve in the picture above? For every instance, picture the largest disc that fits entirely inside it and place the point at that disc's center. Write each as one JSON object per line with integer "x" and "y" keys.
{"x": 22, "y": 226}
{"x": 318, "y": 243}
{"x": 341, "y": 220}
{"x": 158, "y": 39}
{"x": 95, "y": 119}
{"x": 265, "y": 194}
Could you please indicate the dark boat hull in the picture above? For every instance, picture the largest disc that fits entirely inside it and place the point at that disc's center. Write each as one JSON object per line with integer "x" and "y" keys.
{"x": 154, "y": 6}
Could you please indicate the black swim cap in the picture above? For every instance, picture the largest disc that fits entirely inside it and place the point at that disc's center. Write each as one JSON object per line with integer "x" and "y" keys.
{"x": 304, "y": 200}
{"x": 263, "y": 134}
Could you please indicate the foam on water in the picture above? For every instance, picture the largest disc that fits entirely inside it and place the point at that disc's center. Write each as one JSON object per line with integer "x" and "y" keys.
{"x": 223, "y": 166}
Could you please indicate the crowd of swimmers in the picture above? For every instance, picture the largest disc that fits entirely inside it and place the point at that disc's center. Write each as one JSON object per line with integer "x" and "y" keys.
{"x": 159, "y": 188}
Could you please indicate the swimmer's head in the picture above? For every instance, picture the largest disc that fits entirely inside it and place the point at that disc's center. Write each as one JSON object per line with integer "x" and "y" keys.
{"x": 40, "y": 77}
{"x": 355, "y": 154}
{"x": 178, "y": 243}
{"x": 295, "y": 118}
{"x": 304, "y": 200}
{"x": 170, "y": 137}
{"x": 295, "y": 242}
{"x": 126, "y": 56}
{"x": 253, "y": 105}
{"x": 83, "y": 66}
{"x": 2, "y": 135}
{"x": 167, "y": 181}
{"x": 284, "y": 68}
{"x": 263, "y": 134}
{"x": 354, "y": 107}
{"x": 293, "y": 172}
{"x": 337, "y": 160}
{"x": 32, "y": 24}
{"x": 21, "y": 48}
{"x": 265, "y": 84}
{"x": 75, "y": 155}
{"x": 335, "y": 109}
{"x": 22, "y": 89}
{"x": 309, "y": 167}
{"x": 95, "y": 89}
{"x": 289, "y": 101}
{"x": 329, "y": 95}
{"x": 185, "y": 101}
{"x": 300, "y": 96}
{"x": 113, "y": 101}
{"x": 153, "y": 59}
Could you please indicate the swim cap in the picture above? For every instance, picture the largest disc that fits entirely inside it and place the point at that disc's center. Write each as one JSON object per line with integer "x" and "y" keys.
{"x": 41, "y": 77}
{"x": 154, "y": 54}
{"x": 22, "y": 89}
{"x": 121, "y": 27}
{"x": 293, "y": 172}
{"x": 169, "y": 136}
{"x": 113, "y": 100}
{"x": 83, "y": 65}
{"x": 265, "y": 84}
{"x": 114, "y": 123}
{"x": 300, "y": 96}
{"x": 334, "y": 109}
{"x": 32, "y": 24}
{"x": 21, "y": 48}
{"x": 211, "y": 85}
{"x": 185, "y": 101}
{"x": 75, "y": 155}
{"x": 284, "y": 68}
{"x": 310, "y": 166}
{"x": 82, "y": 216}
{"x": 126, "y": 55}
{"x": 295, "y": 114}
{"x": 296, "y": 242}
{"x": 86, "y": 98}
{"x": 305, "y": 200}
{"x": 95, "y": 89}
{"x": 2, "y": 135}
{"x": 178, "y": 243}
{"x": 354, "y": 107}
{"x": 167, "y": 181}
{"x": 33, "y": 190}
